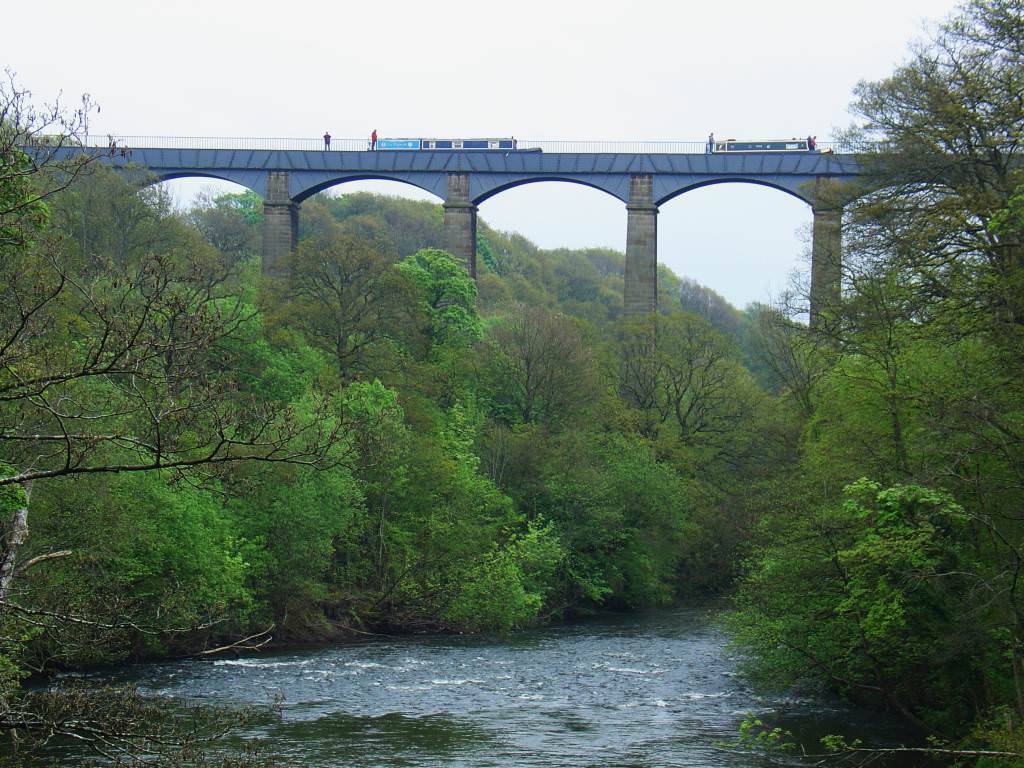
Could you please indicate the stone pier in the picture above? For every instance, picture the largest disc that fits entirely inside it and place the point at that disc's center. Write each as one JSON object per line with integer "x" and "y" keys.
{"x": 280, "y": 225}
{"x": 641, "y": 291}
{"x": 826, "y": 250}
{"x": 460, "y": 222}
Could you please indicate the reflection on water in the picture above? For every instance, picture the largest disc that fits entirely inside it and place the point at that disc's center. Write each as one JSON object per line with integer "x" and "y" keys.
{"x": 652, "y": 690}
{"x": 390, "y": 739}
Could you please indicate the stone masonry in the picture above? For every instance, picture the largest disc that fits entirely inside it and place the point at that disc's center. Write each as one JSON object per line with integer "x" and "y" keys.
{"x": 460, "y": 222}
{"x": 641, "y": 291}
{"x": 280, "y": 225}
{"x": 826, "y": 250}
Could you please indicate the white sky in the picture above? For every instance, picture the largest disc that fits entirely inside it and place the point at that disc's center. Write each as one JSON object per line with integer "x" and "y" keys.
{"x": 560, "y": 69}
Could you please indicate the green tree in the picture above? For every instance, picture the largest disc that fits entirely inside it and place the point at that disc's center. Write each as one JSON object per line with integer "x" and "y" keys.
{"x": 142, "y": 553}
{"x": 680, "y": 376}
{"x": 792, "y": 358}
{"x": 942, "y": 139}
{"x": 111, "y": 365}
{"x": 32, "y": 168}
{"x": 230, "y": 223}
{"x": 541, "y": 370}
{"x": 625, "y": 520}
{"x": 889, "y": 569}
{"x": 448, "y": 295}
{"x": 346, "y": 296}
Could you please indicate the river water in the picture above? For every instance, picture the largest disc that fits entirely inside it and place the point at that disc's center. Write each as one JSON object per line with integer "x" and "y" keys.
{"x": 656, "y": 689}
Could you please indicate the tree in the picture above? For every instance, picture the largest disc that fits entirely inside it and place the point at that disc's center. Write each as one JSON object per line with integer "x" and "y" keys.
{"x": 676, "y": 370}
{"x": 890, "y": 568}
{"x": 230, "y": 222}
{"x": 796, "y": 362}
{"x": 409, "y": 224}
{"x": 113, "y": 220}
{"x": 914, "y": 380}
{"x": 346, "y": 295}
{"x": 540, "y": 368}
{"x": 120, "y": 367}
{"x": 942, "y": 147}
{"x": 33, "y": 167}
{"x": 448, "y": 295}
{"x": 122, "y": 358}
{"x": 625, "y": 518}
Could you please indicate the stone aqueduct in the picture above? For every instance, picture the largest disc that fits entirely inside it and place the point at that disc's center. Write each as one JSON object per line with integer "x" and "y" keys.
{"x": 283, "y": 178}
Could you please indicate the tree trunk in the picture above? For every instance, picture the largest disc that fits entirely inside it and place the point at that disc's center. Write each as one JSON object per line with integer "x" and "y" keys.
{"x": 1016, "y": 663}
{"x": 16, "y": 537}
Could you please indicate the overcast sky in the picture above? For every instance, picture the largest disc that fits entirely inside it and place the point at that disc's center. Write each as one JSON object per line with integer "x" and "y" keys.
{"x": 535, "y": 70}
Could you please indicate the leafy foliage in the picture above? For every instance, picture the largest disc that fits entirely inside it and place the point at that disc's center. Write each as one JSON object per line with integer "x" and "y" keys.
{"x": 902, "y": 590}
{"x": 448, "y": 294}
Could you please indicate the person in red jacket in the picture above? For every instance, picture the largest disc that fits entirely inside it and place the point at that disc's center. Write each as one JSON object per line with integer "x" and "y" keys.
{"x": 373, "y": 140}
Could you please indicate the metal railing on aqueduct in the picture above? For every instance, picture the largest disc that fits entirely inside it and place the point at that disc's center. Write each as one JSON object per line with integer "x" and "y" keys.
{"x": 361, "y": 145}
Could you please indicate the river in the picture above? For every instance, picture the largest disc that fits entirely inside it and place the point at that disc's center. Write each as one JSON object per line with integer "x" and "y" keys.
{"x": 657, "y": 689}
